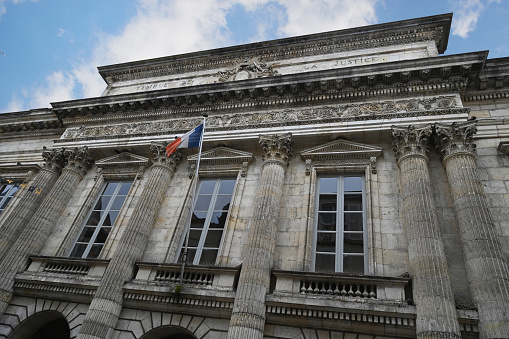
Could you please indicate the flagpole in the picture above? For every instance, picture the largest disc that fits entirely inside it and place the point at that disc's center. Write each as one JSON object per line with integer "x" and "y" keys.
{"x": 188, "y": 224}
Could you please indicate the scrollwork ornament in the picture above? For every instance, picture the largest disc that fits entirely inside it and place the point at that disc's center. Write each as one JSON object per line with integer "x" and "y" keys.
{"x": 455, "y": 138}
{"x": 54, "y": 160}
{"x": 276, "y": 148}
{"x": 79, "y": 160}
{"x": 410, "y": 141}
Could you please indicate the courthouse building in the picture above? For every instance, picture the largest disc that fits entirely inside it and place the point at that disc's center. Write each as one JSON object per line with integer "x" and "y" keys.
{"x": 353, "y": 184}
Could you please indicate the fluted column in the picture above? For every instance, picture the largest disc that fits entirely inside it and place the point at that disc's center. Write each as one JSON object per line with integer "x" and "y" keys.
{"x": 487, "y": 271}
{"x": 248, "y": 317}
{"x": 28, "y": 202}
{"x": 36, "y": 232}
{"x": 107, "y": 303}
{"x": 436, "y": 310}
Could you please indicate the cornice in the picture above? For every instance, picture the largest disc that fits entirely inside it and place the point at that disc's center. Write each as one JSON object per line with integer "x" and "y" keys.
{"x": 433, "y": 28}
{"x": 27, "y": 121}
{"x": 492, "y": 83}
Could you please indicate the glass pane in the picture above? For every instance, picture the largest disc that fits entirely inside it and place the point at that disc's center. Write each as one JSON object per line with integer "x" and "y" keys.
{"x": 110, "y": 219}
{"x": 102, "y": 235}
{"x": 6, "y": 201}
{"x": 326, "y": 242}
{"x": 326, "y": 221}
{"x": 194, "y": 238}
{"x": 95, "y": 251}
{"x": 325, "y": 263}
{"x": 218, "y": 219}
{"x": 223, "y": 202}
{"x": 328, "y": 185}
{"x": 14, "y": 190}
{"x": 226, "y": 186}
{"x": 124, "y": 189}
{"x": 78, "y": 250}
{"x": 353, "y": 202}
{"x": 110, "y": 188}
{"x": 208, "y": 257}
{"x": 202, "y": 203}
{"x": 213, "y": 238}
{"x": 198, "y": 219}
{"x": 353, "y": 184}
{"x": 86, "y": 234}
{"x": 353, "y": 222}
{"x": 117, "y": 203}
{"x": 94, "y": 218}
{"x": 191, "y": 253}
{"x": 207, "y": 186}
{"x": 327, "y": 202}
{"x": 353, "y": 243}
{"x": 102, "y": 203}
{"x": 353, "y": 264}
{"x": 5, "y": 189}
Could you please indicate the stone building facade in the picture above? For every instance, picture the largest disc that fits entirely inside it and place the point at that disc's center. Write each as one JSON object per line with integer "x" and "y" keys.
{"x": 353, "y": 184}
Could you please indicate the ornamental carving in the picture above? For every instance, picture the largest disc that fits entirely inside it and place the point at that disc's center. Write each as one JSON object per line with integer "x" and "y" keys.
{"x": 276, "y": 148}
{"x": 122, "y": 165}
{"x": 161, "y": 159}
{"x": 247, "y": 69}
{"x": 221, "y": 161}
{"x": 410, "y": 141}
{"x": 455, "y": 138}
{"x": 79, "y": 160}
{"x": 54, "y": 160}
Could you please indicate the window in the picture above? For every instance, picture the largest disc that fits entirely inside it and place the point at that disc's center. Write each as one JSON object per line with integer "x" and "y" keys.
{"x": 101, "y": 219}
{"x": 6, "y": 193}
{"x": 340, "y": 228}
{"x": 208, "y": 220}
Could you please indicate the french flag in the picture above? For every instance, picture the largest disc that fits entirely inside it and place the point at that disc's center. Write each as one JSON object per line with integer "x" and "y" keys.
{"x": 189, "y": 140}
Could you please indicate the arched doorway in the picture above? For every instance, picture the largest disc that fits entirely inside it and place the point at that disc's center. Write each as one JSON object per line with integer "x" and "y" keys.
{"x": 43, "y": 325}
{"x": 168, "y": 332}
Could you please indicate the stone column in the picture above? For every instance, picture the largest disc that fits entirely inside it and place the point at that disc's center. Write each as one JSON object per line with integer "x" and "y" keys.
{"x": 434, "y": 300}
{"x": 28, "y": 203}
{"x": 248, "y": 317}
{"x": 487, "y": 270}
{"x": 36, "y": 232}
{"x": 105, "y": 308}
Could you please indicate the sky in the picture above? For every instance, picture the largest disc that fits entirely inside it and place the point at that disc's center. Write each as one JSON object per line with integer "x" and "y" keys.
{"x": 50, "y": 49}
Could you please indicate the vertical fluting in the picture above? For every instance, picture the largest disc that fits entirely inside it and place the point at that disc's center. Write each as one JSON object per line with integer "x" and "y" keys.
{"x": 487, "y": 270}
{"x": 436, "y": 310}
{"x": 36, "y": 232}
{"x": 248, "y": 316}
{"x": 107, "y": 303}
{"x": 29, "y": 201}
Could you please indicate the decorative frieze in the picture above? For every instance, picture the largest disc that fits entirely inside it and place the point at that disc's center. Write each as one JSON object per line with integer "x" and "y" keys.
{"x": 247, "y": 69}
{"x": 411, "y": 141}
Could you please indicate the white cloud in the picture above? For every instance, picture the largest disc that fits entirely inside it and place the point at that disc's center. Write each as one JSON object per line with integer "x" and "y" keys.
{"x": 61, "y": 32}
{"x": 466, "y": 14}
{"x": 3, "y": 7}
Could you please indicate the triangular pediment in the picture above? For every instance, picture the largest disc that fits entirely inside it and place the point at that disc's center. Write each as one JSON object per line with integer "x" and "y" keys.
{"x": 222, "y": 153}
{"x": 342, "y": 149}
{"x": 123, "y": 159}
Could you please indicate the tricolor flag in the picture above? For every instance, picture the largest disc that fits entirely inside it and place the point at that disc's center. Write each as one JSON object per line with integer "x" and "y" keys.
{"x": 189, "y": 140}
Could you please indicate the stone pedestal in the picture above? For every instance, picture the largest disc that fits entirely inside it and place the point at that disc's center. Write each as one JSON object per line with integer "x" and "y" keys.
{"x": 36, "y": 232}
{"x": 107, "y": 303}
{"x": 28, "y": 203}
{"x": 487, "y": 271}
{"x": 248, "y": 316}
{"x": 434, "y": 300}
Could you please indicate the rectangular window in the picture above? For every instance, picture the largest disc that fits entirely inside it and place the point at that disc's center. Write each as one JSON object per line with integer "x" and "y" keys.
{"x": 100, "y": 221}
{"x": 340, "y": 227}
{"x": 6, "y": 193}
{"x": 208, "y": 220}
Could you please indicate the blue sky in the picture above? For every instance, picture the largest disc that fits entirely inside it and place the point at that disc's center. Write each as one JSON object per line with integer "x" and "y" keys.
{"x": 51, "y": 48}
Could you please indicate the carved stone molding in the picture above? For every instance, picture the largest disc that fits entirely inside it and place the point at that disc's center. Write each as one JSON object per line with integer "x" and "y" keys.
{"x": 121, "y": 165}
{"x": 247, "y": 69}
{"x": 455, "y": 138}
{"x": 79, "y": 160}
{"x": 276, "y": 148}
{"x": 160, "y": 158}
{"x": 221, "y": 161}
{"x": 411, "y": 141}
{"x": 54, "y": 160}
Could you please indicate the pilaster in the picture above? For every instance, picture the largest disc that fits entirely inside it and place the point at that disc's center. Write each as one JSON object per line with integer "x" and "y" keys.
{"x": 436, "y": 311}
{"x": 107, "y": 303}
{"x": 487, "y": 270}
{"x": 248, "y": 316}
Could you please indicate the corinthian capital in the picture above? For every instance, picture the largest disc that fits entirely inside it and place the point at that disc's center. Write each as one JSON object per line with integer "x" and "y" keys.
{"x": 54, "y": 160}
{"x": 276, "y": 148}
{"x": 160, "y": 158}
{"x": 455, "y": 138}
{"x": 79, "y": 160}
{"x": 410, "y": 141}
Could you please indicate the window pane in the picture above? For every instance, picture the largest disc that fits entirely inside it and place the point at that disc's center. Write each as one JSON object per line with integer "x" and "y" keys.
{"x": 326, "y": 242}
{"x": 110, "y": 219}
{"x": 6, "y": 201}
{"x": 353, "y": 202}
{"x": 95, "y": 251}
{"x": 226, "y": 186}
{"x": 5, "y": 189}
{"x": 102, "y": 235}
{"x": 326, "y": 221}
{"x": 353, "y": 184}
{"x": 124, "y": 189}
{"x": 78, "y": 250}
{"x": 110, "y": 188}
{"x": 207, "y": 186}
{"x": 202, "y": 203}
{"x": 353, "y": 243}
{"x": 102, "y": 203}
{"x": 353, "y": 222}
{"x": 86, "y": 234}
{"x": 328, "y": 185}
{"x": 223, "y": 202}
{"x": 353, "y": 264}
{"x": 94, "y": 218}
{"x": 198, "y": 219}
{"x": 325, "y": 263}
{"x": 117, "y": 203}
{"x": 194, "y": 238}
{"x": 218, "y": 219}
{"x": 213, "y": 238}
{"x": 191, "y": 253}
{"x": 208, "y": 257}
{"x": 327, "y": 202}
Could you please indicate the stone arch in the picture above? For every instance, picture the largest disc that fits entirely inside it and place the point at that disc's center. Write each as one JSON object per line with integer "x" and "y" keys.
{"x": 43, "y": 325}
{"x": 168, "y": 332}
